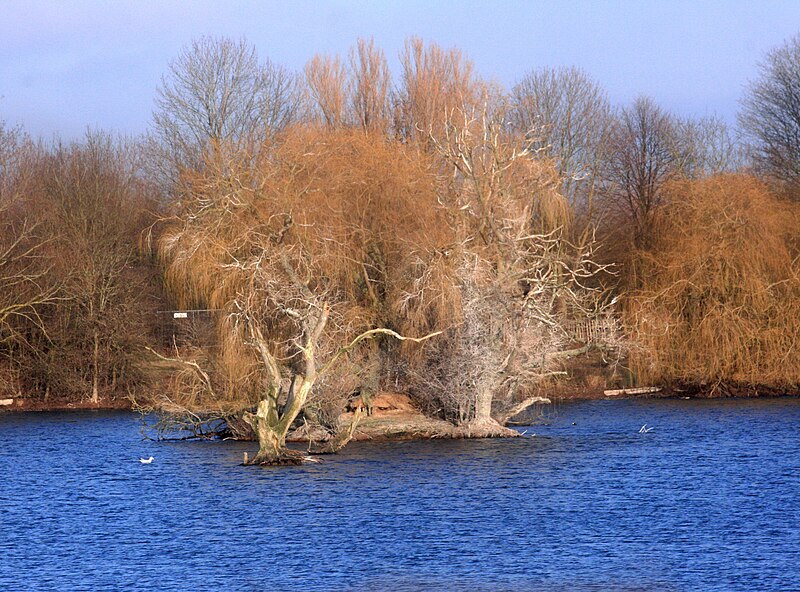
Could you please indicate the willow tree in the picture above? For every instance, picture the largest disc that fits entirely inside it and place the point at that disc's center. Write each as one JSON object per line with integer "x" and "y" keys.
{"x": 327, "y": 81}
{"x": 718, "y": 305}
{"x": 434, "y": 81}
{"x": 641, "y": 159}
{"x": 351, "y": 94}
{"x": 371, "y": 84}
{"x": 510, "y": 278}
{"x": 284, "y": 250}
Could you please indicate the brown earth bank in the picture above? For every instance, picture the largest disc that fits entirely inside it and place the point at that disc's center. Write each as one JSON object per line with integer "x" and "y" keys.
{"x": 393, "y": 417}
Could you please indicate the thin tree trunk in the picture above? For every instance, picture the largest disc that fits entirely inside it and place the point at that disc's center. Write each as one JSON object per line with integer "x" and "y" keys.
{"x": 96, "y": 369}
{"x": 272, "y": 427}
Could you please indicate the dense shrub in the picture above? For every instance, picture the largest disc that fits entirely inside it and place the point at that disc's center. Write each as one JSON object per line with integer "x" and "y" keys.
{"x": 720, "y": 296}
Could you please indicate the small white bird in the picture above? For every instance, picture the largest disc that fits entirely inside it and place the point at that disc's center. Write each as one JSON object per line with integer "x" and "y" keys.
{"x": 644, "y": 429}
{"x": 146, "y": 461}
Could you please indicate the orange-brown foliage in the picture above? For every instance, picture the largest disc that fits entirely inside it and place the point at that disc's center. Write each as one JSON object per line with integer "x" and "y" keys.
{"x": 327, "y": 81}
{"x": 347, "y": 195}
{"x": 434, "y": 83}
{"x": 344, "y": 208}
{"x": 372, "y": 83}
{"x": 445, "y": 223}
{"x": 720, "y": 301}
{"x": 73, "y": 215}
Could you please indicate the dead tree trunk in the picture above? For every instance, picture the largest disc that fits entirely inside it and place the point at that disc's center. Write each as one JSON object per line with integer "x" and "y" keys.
{"x": 342, "y": 437}
{"x": 270, "y": 423}
{"x": 483, "y": 425}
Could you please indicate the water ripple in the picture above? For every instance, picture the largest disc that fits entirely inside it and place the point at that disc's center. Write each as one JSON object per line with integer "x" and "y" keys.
{"x": 706, "y": 501}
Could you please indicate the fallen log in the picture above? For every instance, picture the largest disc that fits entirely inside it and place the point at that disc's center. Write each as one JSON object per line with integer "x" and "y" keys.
{"x": 640, "y": 390}
{"x": 520, "y": 407}
{"x": 341, "y": 439}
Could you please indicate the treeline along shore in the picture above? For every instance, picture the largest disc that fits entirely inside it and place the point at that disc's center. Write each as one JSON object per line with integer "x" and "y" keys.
{"x": 304, "y": 255}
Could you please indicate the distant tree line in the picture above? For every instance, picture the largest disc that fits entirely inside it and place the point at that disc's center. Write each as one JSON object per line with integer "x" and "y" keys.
{"x": 328, "y": 215}
{"x": 76, "y": 288}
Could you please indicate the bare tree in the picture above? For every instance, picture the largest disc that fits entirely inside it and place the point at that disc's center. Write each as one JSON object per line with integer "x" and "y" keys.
{"x": 647, "y": 148}
{"x": 219, "y": 94}
{"x": 92, "y": 208}
{"x": 771, "y": 115}
{"x": 352, "y": 94}
{"x": 70, "y": 278}
{"x": 705, "y": 146}
{"x": 276, "y": 249}
{"x": 24, "y": 289}
{"x": 511, "y": 274}
{"x": 10, "y": 140}
{"x": 17, "y": 153}
{"x": 642, "y": 157}
{"x": 434, "y": 82}
{"x": 372, "y": 84}
{"x": 568, "y": 119}
{"x": 328, "y": 83}
{"x": 23, "y": 267}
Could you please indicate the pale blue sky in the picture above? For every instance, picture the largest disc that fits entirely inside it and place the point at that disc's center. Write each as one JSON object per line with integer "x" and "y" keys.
{"x": 66, "y": 65}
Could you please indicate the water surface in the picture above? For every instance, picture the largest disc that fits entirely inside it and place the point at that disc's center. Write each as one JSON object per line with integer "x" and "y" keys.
{"x": 708, "y": 500}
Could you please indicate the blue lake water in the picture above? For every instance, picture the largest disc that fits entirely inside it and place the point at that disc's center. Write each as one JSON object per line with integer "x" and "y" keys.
{"x": 708, "y": 500}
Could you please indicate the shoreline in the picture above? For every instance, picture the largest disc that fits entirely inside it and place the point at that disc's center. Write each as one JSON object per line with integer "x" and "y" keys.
{"x": 25, "y": 405}
{"x": 393, "y": 424}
